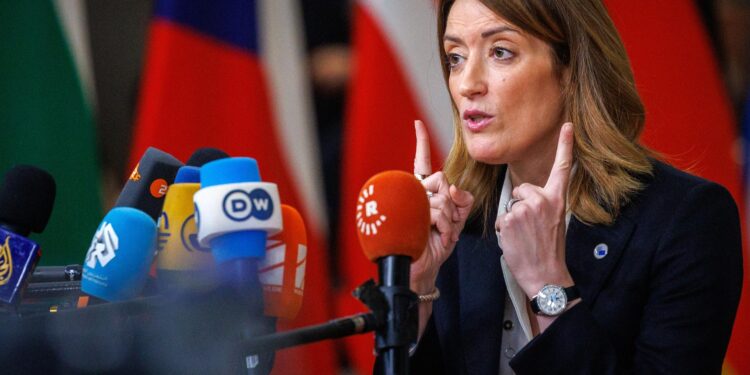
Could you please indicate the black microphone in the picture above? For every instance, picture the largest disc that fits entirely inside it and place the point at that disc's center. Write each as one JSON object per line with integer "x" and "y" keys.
{"x": 27, "y": 196}
{"x": 149, "y": 182}
{"x": 205, "y": 155}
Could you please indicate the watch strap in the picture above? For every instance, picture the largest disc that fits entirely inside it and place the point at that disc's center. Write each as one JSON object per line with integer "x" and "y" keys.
{"x": 535, "y": 305}
{"x": 572, "y": 293}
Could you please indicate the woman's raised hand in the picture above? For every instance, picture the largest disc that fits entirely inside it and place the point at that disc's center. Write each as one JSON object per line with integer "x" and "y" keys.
{"x": 533, "y": 232}
{"x": 449, "y": 209}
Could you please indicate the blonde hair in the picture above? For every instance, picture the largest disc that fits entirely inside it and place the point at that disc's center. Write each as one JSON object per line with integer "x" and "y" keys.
{"x": 600, "y": 99}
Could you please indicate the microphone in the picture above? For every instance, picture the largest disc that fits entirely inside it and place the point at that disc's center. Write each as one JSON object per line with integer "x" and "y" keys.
{"x": 182, "y": 263}
{"x": 204, "y": 155}
{"x": 235, "y": 213}
{"x": 393, "y": 222}
{"x": 149, "y": 182}
{"x": 282, "y": 271}
{"x": 27, "y": 196}
{"x": 117, "y": 263}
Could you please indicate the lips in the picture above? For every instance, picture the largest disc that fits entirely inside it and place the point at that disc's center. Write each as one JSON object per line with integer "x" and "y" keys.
{"x": 476, "y": 120}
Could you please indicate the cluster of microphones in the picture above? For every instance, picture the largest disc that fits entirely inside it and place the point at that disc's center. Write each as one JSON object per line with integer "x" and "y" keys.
{"x": 190, "y": 269}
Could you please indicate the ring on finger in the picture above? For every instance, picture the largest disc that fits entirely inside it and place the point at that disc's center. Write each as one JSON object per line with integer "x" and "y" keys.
{"x": 509, "y": 204}
{"x": 430, "y": 194}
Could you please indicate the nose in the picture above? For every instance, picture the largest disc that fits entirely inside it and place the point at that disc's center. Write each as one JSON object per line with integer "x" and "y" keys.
{"x": 473, "y": 80}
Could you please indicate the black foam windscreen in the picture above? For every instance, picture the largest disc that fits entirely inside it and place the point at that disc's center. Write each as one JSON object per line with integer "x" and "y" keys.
{"x": 27, "y": 195}
{"x": 204, "y": 155}
{"x": 149, "y": 181}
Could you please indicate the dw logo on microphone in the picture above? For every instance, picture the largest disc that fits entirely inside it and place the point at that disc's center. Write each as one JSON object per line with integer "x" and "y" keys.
{"x": 240, "y": 205}
{"x": 369, "y": 220}
{"x": 103, "y": 246}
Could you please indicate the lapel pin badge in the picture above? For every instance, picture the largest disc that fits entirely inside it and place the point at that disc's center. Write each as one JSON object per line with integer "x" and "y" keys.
{"x": 601, "y": 250}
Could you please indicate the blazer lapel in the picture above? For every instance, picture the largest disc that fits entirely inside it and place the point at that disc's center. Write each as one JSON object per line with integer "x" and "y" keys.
{"x": 481, "y": 300}
{"x": 590, "y": 271}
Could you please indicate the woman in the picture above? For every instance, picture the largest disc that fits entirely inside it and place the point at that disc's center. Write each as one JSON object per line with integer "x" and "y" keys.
{"x": 558, "y": 245}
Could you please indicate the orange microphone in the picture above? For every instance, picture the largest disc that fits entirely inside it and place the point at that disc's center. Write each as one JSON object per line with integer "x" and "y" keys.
{"x": 393, "y": 216}
{"x": 393, "y": 225}
{"x": 282, "y": 271}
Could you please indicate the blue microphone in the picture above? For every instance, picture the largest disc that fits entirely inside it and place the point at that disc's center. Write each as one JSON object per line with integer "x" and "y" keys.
{"x": 117, "y": 262}
{"x": 235, "y": 213}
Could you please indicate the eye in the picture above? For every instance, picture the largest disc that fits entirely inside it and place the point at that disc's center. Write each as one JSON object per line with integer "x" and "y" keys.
{"x": 502, "y": 53}
{"x": 453, "y": 60}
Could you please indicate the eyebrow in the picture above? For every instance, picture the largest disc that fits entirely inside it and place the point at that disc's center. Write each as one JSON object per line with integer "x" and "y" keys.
{"x": 484, "y": 34}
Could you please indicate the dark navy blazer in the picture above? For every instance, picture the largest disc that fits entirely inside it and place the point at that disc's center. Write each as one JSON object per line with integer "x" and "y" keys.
{"x": 662, "y": 300}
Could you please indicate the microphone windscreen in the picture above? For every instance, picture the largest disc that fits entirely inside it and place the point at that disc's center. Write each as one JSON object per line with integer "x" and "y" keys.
{"x": 149, "y": 181}
{"x": 204, "y": 155}
{"x": 27, "y": 195}
{"x": 120, "y": 255}
{"x": 393, "y": 216}
{"x": 282, "y": 271}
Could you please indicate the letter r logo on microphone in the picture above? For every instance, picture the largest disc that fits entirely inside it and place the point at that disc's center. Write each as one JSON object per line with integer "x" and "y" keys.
{"x": 372, "y": 219}
{"x": 371, "y": 208}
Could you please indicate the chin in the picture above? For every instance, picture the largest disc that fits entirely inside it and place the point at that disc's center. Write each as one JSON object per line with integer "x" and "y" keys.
{"x": 486, "y": 155}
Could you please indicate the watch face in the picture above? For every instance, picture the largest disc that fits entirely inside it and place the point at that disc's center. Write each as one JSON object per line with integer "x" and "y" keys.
{"x": 552, "y": 300}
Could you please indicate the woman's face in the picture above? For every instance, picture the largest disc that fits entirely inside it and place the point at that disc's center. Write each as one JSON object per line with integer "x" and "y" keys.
{"x": 505, "y": 86}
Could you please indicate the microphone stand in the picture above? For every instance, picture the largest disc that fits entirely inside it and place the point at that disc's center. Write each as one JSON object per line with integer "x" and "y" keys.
{"x": 393, "y": 318}
{"x": 337, "y": 328}
{"x": 400, "y": 328}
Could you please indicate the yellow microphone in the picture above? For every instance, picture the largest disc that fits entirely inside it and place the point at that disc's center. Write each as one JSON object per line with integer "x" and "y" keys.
{"x": 182, "y": 263}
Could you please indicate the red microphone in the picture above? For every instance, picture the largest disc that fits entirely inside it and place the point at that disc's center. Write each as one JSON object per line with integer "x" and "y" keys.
{"x": 393, "y": 225}
{"x": 282, "y": 271}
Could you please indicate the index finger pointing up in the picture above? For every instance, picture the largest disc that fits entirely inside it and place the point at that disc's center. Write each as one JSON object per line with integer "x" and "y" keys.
{"x": 422, "y": 162}
{"x": 560, "y": 174}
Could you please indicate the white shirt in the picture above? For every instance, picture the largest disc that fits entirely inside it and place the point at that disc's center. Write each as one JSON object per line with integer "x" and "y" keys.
{"x": 516, "y": 324}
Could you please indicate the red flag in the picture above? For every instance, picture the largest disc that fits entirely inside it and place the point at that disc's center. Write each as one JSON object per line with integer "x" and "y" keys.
{"x": 228, "y": 74}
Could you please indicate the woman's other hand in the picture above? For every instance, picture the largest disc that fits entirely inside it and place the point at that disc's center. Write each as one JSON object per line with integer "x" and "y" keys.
{"x": 533, "y": 231}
